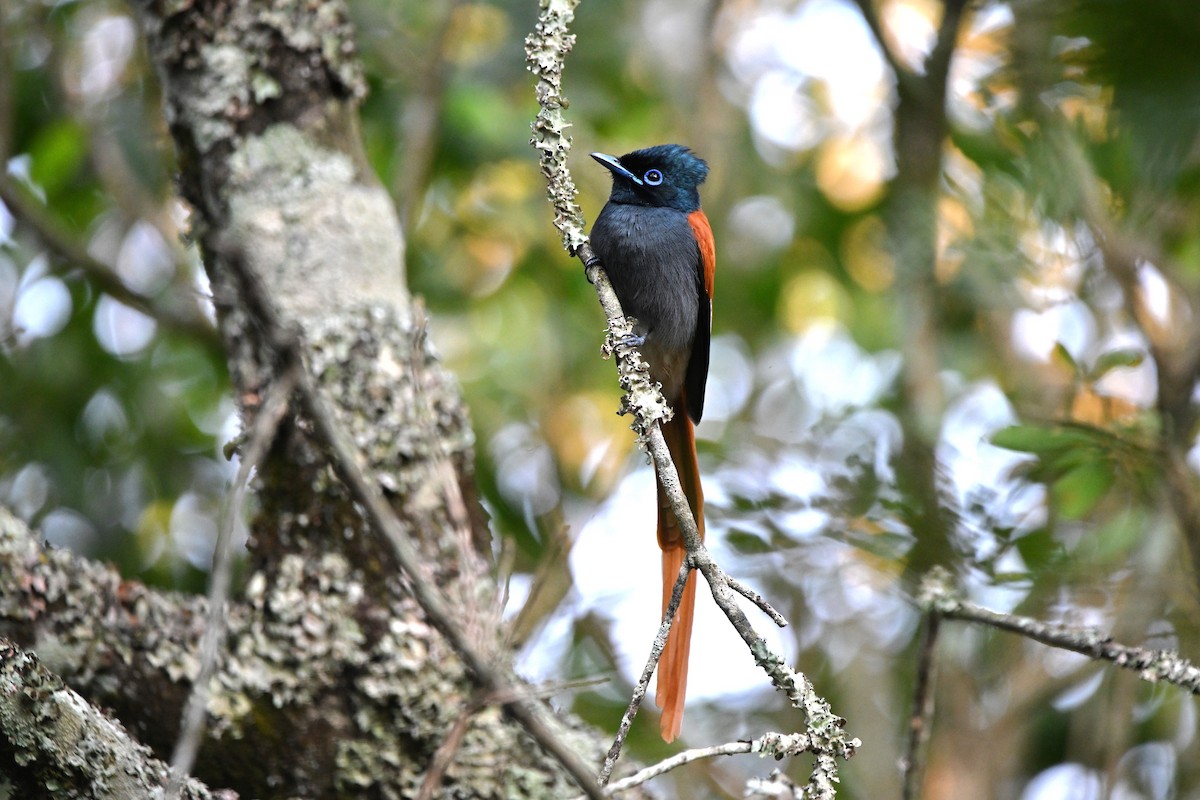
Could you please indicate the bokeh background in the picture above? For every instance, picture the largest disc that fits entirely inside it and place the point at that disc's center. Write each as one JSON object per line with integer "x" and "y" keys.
{"x": 112, "y": 428}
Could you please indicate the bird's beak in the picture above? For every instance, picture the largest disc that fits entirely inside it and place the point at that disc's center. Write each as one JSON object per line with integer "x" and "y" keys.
{"x": 613, "y": 164}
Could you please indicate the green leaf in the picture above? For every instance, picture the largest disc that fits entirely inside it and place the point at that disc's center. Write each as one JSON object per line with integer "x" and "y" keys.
{"x": 1039, "y": 549}
{"x": 1116, "y": 359}
{"x": 888, "y": 546}
{"x": 747, "y": 543}
{"x": 1041, "y": 440}
{"x": 1022, "y": 438}
{"x": 1077, "y": 492}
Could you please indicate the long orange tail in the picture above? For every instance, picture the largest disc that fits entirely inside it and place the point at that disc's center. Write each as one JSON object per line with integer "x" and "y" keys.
{"x": 673, "y": 666}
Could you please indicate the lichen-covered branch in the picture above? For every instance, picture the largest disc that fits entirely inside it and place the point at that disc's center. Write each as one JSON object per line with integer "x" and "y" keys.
{"x": 546, "y": 53}
{"x": 938, "y": 595}
{"x": 772, "y": 745}
{"x": 52, "y": 737}
{"x": 546, "y": 50}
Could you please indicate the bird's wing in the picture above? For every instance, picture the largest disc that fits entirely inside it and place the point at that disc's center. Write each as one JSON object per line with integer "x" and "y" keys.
{"x": 697, "y": 369}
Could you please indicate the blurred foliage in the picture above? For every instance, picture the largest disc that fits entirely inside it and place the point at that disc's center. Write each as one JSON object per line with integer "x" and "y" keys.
{"x": 1047, "y": 467}
{"x": 109, "y": 428}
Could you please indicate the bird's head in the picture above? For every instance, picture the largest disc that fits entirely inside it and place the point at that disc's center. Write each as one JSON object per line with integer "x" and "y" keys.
{"x": 667, "y": 175}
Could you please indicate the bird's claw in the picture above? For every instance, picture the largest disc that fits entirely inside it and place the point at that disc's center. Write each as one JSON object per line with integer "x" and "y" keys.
{"x": 630, "y": 340}
{"x": 592, "y": 261}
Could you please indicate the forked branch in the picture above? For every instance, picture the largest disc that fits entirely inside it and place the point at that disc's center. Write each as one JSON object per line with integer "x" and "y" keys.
{"x": 546, "y": 50}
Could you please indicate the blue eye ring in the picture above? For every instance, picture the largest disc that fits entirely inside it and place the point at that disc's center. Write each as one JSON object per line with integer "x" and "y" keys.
{"x": 653, "y": 177}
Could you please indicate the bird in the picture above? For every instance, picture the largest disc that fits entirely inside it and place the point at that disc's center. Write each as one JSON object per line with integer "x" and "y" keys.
{"x": 656, "y": 246}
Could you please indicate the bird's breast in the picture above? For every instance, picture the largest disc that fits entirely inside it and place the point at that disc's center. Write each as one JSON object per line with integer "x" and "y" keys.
{"x": 651, "y": 257}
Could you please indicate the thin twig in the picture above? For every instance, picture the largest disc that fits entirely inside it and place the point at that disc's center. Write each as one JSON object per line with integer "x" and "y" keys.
{"x": 262, "y": 434}
{"x": 191, "y": 322}
{"x": 1153, "y": 666}
{"x": 918, "y": 85}
{"x": 384, "y": 520}
{"x": 834, "y": 743}
{"x": 443, "y": 757}
{"x": 871, "y": 17}
{"x": 643, "y": 684}
{"x": 775, "y": 745}
{"x": 380, "y": 516}
{"x": 551, "y": 580}
{"x": 758, "y": 600}
{"x": 937, "y": 63}
{"x": 471, "y": 570}
{"x": 422, "y": 119}
{"x": 921, "y": 719}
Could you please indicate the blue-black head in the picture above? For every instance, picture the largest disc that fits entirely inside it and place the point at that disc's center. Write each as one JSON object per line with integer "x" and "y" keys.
{"x": 666, "y": 175}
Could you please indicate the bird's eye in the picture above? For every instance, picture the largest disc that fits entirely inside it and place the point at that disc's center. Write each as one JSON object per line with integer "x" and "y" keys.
{"x": 653, "y": 177}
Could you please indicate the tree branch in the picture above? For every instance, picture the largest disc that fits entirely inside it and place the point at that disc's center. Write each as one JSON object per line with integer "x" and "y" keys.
{"x": 261, "y": 435}
{"x": 921, "y": 717}
{"x": 546, "y": 50}
{"x": 190, "y": 321}
{"x": 871, "y": 17}
{"x": 643, "y": 684}
{"x": 939, "y": 596}
{"x": 56, "y": 738}
{"x": 920, "y": 128}
{"x": 775, "y": 745}
{"x": 421, "y": 119}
